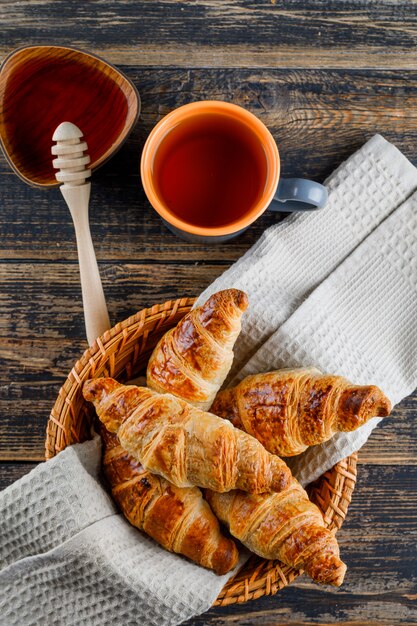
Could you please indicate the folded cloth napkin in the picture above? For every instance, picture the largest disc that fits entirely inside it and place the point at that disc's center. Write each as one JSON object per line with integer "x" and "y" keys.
{"x": 67, "y": 557}
{"x": 335, "y": 289}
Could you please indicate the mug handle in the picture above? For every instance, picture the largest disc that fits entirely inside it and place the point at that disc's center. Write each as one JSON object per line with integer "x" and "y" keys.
{"x": 298, "y": 194}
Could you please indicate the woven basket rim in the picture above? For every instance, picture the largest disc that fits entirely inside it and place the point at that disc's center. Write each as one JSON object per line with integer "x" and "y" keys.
{"x": 332, "y": 492}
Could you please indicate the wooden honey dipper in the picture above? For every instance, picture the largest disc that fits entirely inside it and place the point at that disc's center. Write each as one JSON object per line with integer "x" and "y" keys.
{"x": 72, "y": 162}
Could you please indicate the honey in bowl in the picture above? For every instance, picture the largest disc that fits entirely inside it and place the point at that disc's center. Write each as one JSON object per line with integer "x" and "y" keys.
{"x": 210, "y": 170}
{"x": 40, "y": 87}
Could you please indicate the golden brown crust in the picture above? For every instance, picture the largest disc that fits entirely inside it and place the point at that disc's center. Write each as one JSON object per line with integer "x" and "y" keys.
{"x": 225, "y": 406}
{"x": 285, "y": 526}
{"x": 289, "y": 410}
{"x": 192, "y": 360}
{"x": 177, "y": 518}
{"x": 183, "y": 444}
{"x": 359, "y": 404}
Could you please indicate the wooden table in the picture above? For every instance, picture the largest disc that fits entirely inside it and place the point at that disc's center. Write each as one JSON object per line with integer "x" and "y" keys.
{"x": 324, "y": 76}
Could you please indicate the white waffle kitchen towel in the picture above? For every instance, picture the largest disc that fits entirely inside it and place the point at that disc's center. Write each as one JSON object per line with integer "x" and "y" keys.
{"x": 335, "y": 289}
{"x": 68, "y": 558}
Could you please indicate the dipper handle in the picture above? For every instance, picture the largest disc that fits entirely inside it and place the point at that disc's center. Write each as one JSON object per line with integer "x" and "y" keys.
{"x": 72, "y": 161}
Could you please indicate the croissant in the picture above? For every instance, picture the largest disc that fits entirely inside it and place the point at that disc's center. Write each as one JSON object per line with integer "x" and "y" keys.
{"x": 289, "y": 410}
{"x": 183, "y": 444}
{"x": 285, "y": 526}
{"x": 179, "y": 519}
{"x": 192, "y": 360}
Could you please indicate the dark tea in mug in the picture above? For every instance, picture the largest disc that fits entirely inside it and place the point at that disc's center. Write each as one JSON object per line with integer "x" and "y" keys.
{"x": 210, "y": 170}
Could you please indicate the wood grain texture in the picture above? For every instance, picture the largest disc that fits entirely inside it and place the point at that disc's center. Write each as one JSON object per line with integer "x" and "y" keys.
{"x": 13, "y": 471}
{"x": 324, "y": 76}
{"x": 227, "y": 33}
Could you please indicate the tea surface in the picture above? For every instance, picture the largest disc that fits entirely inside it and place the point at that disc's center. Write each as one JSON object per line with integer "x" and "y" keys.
{"x": 210, "y": 170}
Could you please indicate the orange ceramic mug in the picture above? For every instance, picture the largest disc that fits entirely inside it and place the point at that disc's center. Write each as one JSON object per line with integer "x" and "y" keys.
{"x": 211, "y": 168}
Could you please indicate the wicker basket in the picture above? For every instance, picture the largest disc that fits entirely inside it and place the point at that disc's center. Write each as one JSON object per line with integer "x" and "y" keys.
{"x": 123, "y": 353}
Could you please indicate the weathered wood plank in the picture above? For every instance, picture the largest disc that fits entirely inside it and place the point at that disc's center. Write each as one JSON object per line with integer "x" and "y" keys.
{"x": 44, "y": 299}
{"x": 25, "y": 409}
{"x": 317, "y": 117}
{"x": 9, "y": 472}
{"x": 224, "y": 33}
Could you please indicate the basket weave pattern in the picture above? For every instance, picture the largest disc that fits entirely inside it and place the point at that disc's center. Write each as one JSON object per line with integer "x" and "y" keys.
{"x": 123, "y": 353}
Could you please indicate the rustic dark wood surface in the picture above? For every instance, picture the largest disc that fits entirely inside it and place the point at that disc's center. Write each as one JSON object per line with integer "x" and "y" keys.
{"x": 324, "y": 76}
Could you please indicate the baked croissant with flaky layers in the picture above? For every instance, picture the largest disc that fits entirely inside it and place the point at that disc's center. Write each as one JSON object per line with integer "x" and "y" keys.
{"x": 292, "y": 409}
{"x": 192, "y": 360}
{"x": 285, "y": 526}
{"x": 183, "y": 444}
{"x": 179, "y": 519}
